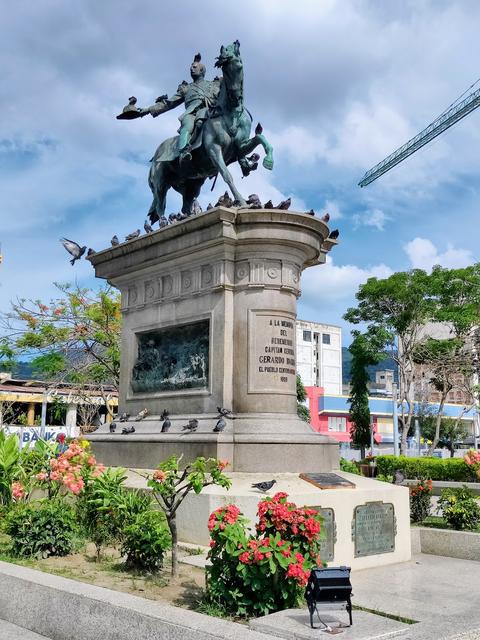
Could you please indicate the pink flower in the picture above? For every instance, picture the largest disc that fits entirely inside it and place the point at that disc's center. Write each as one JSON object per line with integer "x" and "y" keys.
{"x": 222, "y": 464}
{"x": 159, "y": 476}
{"x": 18, "y": 491}
{"x": 55, "y": 476}
{"x": 244, "y": 557}
{"x": 41, "y": 476}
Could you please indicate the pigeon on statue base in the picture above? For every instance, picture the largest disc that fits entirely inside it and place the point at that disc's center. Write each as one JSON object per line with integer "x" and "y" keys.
{"x": 264, "y": 486}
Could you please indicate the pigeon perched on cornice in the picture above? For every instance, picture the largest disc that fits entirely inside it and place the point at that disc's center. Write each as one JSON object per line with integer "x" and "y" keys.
{"x": 268, "y": 205}
{"x": 284, "y": 204}
{"x": 196, "y": 208}
{"x": 334, "y": 234}
{"x": 225, "y": 201}
{"x": 148, "y": 228}
{"x": 163, "y": 222}
{"x": 310, "y": 213}
{"x": 73, "y": 249}
{"x": 254, "y": 201}
{"x": 133, "y": 235}
{"x": 325, "y": 218}
{"x": 114, "y": 241}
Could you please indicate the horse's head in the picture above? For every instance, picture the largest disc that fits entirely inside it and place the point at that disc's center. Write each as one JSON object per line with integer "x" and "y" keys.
{"x": 228, "y": 54}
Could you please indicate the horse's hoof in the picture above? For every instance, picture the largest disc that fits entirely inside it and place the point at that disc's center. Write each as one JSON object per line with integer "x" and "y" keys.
{"x": 268, "y": 163}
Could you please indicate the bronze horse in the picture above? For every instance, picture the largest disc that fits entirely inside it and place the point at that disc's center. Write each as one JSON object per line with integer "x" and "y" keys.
{"x": 225, "y": 138}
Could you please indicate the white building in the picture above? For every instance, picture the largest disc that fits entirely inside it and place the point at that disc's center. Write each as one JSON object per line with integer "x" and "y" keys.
{"x": 319, "y": 355}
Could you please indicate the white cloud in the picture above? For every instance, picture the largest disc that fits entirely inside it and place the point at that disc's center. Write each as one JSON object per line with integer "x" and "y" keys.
{"x": 329, "y": 283}
{"x": 423, "y": 254}
{"x": 375, "y": 218}
{"x": 332, "y": 207}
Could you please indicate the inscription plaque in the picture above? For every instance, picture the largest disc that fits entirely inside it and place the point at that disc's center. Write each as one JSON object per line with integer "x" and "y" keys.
{"x": 173, "y": 358}
{"x": 327, "y": 480}
{"x": 374, "y": 528}
{"x": 271, "y": 353}
{"x": 329, "y": 527}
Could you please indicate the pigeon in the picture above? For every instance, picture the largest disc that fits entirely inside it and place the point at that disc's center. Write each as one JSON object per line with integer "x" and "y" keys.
{"x": 223, "y": 412}
{"x": 268, "y": 205}
{"x": 91, "y": 252}
{"x": 310, "y": 213}
{"x": 132, "y": 100}
{"x": 225, "y": 201}
{"x": 264, "y": 486}
{"x": 209, "y": 206}
{"x": 114, "y": 241}
{"x": 163, "y": 222}
{"x": 191, "y": 426}
{"x": 124, "y": 417}
{"x": 196, "y": 208}
{"x": 220, "y": 426}
{"x": 258, "y": 129}
{"x": 141, "y": 415}
{"x": 325, "y": 218}
{"x": 166, "y": 421}
{"x": 127, "y": 430}
{"x": 254, "y": 201}
{"x": 284, "y": 204}
{"x": 133, "y": 235}
{"x": 399, "y": 477}
{"x": 73, "y": 249}
{"x": 165, "y": 414}
{"x": 334, "y": 234}
{"x": 148, "y": 228}
{"x": 112, "y": 426}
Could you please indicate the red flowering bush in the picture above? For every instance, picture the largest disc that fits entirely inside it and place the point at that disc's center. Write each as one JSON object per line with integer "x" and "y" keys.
{"x": 420, "y": 497}
{"x": 472, "y": 458}
{"x": 266, "y": 572}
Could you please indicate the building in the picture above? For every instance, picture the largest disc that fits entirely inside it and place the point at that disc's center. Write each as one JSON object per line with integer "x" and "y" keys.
{"x": 21, "y": 403}
{"x": 319, "y": 355}
{"x": 330, "y": 415}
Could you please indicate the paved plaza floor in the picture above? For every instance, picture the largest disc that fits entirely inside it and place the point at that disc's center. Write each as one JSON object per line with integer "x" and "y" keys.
{"x": 12, "y": 632}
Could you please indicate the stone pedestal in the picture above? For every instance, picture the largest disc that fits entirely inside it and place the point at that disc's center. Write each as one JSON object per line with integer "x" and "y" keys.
{"x": 209, "y": 309}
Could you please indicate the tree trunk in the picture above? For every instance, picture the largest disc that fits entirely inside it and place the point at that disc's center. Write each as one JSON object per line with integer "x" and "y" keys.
{"x": 172, "y": 525}
{"x": 438, "y": 423}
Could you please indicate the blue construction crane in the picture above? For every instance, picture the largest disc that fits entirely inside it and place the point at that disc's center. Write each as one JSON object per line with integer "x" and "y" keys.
{"x": 455, "y": 112}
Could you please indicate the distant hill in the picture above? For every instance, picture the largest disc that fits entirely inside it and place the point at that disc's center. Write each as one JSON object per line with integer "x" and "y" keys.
{"x": 23, "y": 371}
{"x": 388, "y": 363}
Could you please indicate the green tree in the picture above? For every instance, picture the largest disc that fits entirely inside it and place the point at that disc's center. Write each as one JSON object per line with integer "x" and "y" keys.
{"x": 364, "y": 354}
{"x": 73, "y": 338}
{"x": 302, "y": 411}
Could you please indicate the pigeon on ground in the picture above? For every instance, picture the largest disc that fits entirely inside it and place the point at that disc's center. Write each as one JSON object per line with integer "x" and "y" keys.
{"x": 133, "y": 235}
{"x": 191, "y": 426}
{"x": 114, "y": 241}
{"x": 112, "y": 426}
{"x": 166, "y": 421}
{"x": 223, "y": 412}
{"x": 141, "y": 415}
{"x": 225, "y": 201}
{"x": 91, "y": 252}
{"x": 334, "y": 234}
{"x": 258, "y": 129}
{"x": 124, "y": 417}
{"x": 127, "y": 430}
{"x": 220, "y": 426}
{"x": 163, "y": 222}
{"x": 148, "y": 228}
{"x": 264, "y": 486}
{"x": 284, "y": 204}
{"x": 399, "y": 477}
{"x": 325, "y": 218}
{"x": 209, "y": 206}
{"x": 73, "y": 249}
{"x": 254, "y": 201}
{"x": 268, "y": 205}
{"x": 196, "y": 208}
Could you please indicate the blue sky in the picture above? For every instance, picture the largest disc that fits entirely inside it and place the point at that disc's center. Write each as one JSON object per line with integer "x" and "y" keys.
{"x": 336, "y": 84}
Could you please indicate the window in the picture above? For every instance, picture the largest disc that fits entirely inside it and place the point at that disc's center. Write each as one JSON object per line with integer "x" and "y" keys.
{"x": 326, "y": 338}
{"x": 307, "y": 336}
{"x": 337, "y": 423}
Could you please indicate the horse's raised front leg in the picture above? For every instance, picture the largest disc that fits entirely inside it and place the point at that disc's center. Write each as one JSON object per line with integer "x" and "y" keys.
{"x": 249, "y": 145}
{"x": 216, "y": 156}
{"x": 159, "y": 187}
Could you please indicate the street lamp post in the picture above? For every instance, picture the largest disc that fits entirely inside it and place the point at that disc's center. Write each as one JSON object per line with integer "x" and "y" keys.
{"x": 396, "y": 449}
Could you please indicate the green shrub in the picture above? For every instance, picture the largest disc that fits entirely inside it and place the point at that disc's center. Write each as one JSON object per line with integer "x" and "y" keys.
{"x": 43, "y": 528}
{"x": 460, "y": 508}
{"x": 145, "y": 541}
{"x": 349, "y": 466}
{"x": 454, "y": 469}
{"x": 10, "y": 468}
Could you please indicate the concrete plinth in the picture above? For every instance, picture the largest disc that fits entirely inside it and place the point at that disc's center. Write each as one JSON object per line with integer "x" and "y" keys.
{"x": 233, "y": 278}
